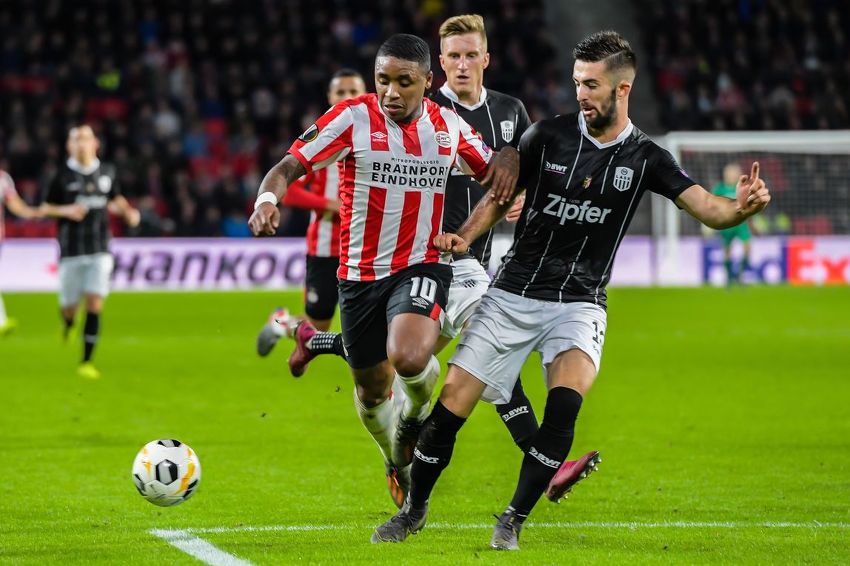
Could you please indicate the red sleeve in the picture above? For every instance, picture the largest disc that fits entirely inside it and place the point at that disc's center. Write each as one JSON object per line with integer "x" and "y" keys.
{"x": 326, "y": 141}
{"x": 299, "y": 196}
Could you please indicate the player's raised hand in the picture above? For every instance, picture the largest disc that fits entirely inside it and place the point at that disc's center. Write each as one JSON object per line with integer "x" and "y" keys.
{"x": 265, "y": 220}
{"x": 751, "y": 194}
{"x": 450, "y": 243}
{"x": 502, "y": 174}
{"x": 516, "y": 210}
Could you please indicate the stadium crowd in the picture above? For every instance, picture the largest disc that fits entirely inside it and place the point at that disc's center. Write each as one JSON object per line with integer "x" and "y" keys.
{"x": 193, "y": 100}
{"x": 750, "y": 64}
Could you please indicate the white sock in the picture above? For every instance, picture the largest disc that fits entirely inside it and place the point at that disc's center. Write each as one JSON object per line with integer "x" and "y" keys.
{"x": 380, "y": 422}
{"x": 2, "y": 312}
{"x": 418, "y": 390}
{"x": 278, "y": 329}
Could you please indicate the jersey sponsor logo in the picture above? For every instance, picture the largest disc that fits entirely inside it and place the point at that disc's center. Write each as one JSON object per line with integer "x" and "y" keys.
{"x": 309, "y": 134}
{"x": 380, "y": 136}
{"x": 555, "y": 168}
{"x": 415, "y": 174}
{"x": 443, "y": 139}
{"x": 91, "y": 201}
{"x": 565, "y": 210}
{"x": 623, "y": 178}
{"x": 515, "y": 413}
{"x": 507, "y": 130}
{"x": 545, "y": 460}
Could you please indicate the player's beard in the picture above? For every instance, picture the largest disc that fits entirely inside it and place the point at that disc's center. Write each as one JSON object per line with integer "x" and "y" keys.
{"x": 607, "y": 116}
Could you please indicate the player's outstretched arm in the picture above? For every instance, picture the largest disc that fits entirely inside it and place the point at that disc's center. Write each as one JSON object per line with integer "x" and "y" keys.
{"x": 74, "y": 212}
{"x": 716, "y": 212}
{"x": 484, "y": 216}
{"x": 21, "y": 209}
{"x": 266, "y": 217}
{"x": 502, "y": 174}
{"x": 121, "y": 206}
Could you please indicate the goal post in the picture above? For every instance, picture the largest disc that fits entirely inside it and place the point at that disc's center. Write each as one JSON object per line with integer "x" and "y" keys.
{"x": 808, "y": 173}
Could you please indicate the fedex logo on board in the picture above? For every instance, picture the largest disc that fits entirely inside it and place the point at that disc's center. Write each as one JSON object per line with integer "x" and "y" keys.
{"x": 824, "y": 260}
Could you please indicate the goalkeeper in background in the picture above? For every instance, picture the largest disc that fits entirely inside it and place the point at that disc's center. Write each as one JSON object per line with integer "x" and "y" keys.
{"x": 726, "y": 188}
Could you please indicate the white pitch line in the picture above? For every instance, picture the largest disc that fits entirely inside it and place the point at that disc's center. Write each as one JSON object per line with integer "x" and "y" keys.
{"x": 187, "y": 541}
{"x": 198, "y": 548}
{"x": 633, "y": 525}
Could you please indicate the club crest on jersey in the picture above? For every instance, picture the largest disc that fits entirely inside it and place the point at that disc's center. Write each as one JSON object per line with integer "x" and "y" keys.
{"x": 443, "y": 139}
{"x": 507, "y": 130}
{"x": 586, "y": 182}
{"x": 623, "y": 178}
{"x": 309, "y": 134}
{"x": 104, "y": 183}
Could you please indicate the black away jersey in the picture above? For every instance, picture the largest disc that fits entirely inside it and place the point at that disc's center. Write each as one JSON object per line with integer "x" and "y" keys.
{"x": 92, "y": 187}
{"x": 499, "y": 120}
{"x": 580, "y": 197}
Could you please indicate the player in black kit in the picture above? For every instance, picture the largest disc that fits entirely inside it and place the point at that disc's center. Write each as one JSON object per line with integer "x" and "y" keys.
{"x": 584, "y": 175}
{"x": 79, "y": 196}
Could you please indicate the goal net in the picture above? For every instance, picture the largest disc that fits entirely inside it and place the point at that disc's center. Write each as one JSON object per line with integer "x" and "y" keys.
{"x": 808, "y": 174}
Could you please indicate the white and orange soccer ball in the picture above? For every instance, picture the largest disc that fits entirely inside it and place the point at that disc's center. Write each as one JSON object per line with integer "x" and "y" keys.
{"x": 166, "y": 472}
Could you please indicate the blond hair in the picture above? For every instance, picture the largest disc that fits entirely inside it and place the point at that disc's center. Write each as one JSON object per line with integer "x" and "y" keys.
{"x": 466, "y": 23}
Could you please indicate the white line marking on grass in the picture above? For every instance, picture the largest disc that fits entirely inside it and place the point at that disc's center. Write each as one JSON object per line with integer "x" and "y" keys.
{"x": 187, "y": 541}
{"x": 632, "y": 525}
{"x": 198, "y": 547}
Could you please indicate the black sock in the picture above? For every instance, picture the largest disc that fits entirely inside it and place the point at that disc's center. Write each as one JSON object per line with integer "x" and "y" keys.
{"x": 519, "y": 417}
{"x": 432, "y": 453}
{"x": 326, "y": 343}
{"x": 90, "y": 335}
{"x": 549, "y": 448}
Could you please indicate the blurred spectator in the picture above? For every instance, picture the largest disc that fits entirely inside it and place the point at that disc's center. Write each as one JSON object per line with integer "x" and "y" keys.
{"x": 750, "y": 64}
{"x": 195, "y": 98}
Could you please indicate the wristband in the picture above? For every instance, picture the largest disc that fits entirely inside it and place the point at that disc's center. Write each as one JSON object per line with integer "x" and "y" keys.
{"x": 265, "y": 197}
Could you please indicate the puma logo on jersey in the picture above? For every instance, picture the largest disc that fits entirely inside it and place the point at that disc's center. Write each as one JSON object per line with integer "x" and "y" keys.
{"x": 558, "y": 206}
{"x": 556, "y": 168}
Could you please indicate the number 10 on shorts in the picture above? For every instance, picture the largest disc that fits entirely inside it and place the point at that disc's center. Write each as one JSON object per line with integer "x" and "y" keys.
{"x": 424, "y": 287}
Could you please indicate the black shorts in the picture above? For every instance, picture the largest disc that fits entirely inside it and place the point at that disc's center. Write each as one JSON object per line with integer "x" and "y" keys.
{"x": 367, "y": 307}
{"x": 321, "y": 287}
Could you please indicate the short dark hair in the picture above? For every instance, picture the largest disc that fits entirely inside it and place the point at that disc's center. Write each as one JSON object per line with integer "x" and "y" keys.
{"x": 408, "y": 47}
{"x": 608, "y": 46}
{"x": 346, "y": 72}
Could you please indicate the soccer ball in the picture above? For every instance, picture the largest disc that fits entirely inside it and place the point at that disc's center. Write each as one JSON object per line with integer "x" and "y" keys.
{"x": 166, "y": 472}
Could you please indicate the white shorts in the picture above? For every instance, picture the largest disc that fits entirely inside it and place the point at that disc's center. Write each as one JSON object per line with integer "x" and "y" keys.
{"x": 469, "y": 283}
{"x": 84, "y": 274}
{"x": 506, "y": 328}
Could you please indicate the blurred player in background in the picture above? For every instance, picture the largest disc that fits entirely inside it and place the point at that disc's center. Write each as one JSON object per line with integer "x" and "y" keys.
{"x": 80, "y": 197}
{"x": 317, "y": 192}
{"x": 726, "y": 188}
{"x": 9, "y": 199}
{"x": 585, "y": 173}
{"x": 397, "y": 148}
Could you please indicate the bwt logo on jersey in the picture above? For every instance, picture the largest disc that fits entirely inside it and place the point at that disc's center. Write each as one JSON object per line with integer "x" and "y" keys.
{"x": 423, "y": 176}
{"x": 558, "y": 206}
{"x": 555, "y": 168}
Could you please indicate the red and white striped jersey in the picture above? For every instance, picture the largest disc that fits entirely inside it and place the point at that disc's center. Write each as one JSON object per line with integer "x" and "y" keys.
{"x": 393, "y": 180}
{"x": 7, "y": 191}
{"x": 312, "y": 192}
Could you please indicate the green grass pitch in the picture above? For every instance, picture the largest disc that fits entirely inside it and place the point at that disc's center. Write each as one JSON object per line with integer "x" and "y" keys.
{"x": 723, "y": 418}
